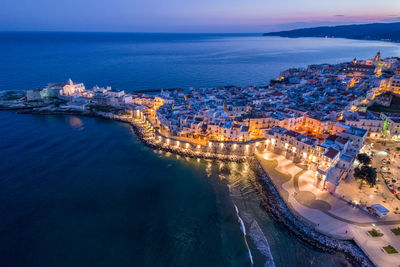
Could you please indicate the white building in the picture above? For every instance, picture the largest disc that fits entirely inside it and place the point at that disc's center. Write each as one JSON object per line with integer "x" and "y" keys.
{"x": 370, "y": 121}
{"x": 70, "y": 88}
{"x": 395, "y": 83}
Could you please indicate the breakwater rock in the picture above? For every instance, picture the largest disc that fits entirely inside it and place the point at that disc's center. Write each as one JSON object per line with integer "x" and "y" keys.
{"x": 278, "y": 210}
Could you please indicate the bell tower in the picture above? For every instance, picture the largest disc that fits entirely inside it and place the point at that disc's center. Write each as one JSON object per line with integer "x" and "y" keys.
{"x": 377, "y": 56}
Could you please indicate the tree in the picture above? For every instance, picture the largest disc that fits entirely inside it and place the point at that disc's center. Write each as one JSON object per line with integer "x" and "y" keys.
{"x": 363, "y": 158}
{"x": 367, "y": 174}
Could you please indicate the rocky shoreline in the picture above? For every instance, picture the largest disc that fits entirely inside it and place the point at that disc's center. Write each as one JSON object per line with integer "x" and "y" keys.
{"x": 278, "y": 210}
{"x": 137, "y": 130}
{"x": 188, "y": 153}
{"x": 276, "y": 207}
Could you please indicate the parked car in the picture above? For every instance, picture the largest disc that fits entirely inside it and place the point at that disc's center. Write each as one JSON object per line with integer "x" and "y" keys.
{"x": 394, "y": 191}
{"x": 390, "y": 186}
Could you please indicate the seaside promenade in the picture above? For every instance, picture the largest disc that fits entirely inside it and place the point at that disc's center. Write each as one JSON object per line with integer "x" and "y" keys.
{"x": 329, "y": 214}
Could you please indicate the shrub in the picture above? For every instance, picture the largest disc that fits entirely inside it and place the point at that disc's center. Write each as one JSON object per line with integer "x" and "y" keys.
{"x": 390, "y": 249}
{"x": 375, "y": 233}
{"x": 396, "y": 231}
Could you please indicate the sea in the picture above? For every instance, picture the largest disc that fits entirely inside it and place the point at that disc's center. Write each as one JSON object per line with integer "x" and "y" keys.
{"x": 79, "y": 191}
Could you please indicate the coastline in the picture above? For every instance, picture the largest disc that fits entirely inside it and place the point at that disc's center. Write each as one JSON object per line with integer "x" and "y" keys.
{"x": 277, "y": 208}
{"x": 332, "y": 37}
{"x": 378, "y": 31}
{"x": 272, "y": 202}
{"x": 139, "y": 131}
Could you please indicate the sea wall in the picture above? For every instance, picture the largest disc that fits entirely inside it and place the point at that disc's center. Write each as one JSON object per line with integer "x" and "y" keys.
{"x": 272, "y": 201}
{"x": 151, "y": 141}
{"x": 160, "y": 145}
{"x": 277, "y": 209}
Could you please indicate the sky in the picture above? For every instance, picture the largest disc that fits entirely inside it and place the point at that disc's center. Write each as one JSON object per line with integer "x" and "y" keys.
{"x": 228, "y": 16}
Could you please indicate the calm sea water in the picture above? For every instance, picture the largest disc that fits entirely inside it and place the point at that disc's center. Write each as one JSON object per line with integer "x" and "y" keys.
{"x": 146, "y": 61}
{"x": 84, "y": 192}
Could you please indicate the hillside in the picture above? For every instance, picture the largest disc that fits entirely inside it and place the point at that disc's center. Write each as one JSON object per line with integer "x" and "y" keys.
{"x": 373, "y": 31}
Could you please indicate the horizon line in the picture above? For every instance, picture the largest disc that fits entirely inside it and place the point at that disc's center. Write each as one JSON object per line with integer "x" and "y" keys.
{"x": 182, "y": 32}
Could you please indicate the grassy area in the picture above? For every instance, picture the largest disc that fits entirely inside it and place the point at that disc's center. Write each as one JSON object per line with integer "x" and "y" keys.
{"x": 375, "y": 233}
{"x": 390, "y": 249}
{"x": 396, "y": 231}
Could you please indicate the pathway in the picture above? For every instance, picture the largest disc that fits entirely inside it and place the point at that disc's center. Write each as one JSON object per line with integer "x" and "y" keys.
{"x": 330, "y": 215}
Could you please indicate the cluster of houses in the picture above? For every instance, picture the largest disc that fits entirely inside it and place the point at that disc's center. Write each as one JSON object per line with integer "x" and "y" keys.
{"x": 331, "y": 158}
{"x": 316, "y": 115}
{"x": 78, "y": 97}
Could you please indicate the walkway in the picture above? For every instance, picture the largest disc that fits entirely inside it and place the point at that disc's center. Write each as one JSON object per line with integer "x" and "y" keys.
{"x": 328, "y": 214}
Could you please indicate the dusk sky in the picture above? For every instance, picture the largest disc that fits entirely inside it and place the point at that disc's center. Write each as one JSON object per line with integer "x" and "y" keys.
{"x": 190, "y": 16}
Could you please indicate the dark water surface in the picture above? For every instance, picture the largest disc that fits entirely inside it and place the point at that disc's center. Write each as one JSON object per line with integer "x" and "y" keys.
{"x": 147, "y": 61}
{"x": 84, "y": 192}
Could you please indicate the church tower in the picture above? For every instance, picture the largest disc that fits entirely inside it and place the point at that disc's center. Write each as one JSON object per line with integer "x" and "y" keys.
{"x": 377, "y": 57}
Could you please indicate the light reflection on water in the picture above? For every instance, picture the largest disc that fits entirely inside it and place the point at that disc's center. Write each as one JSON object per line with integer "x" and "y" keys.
{"x": 75, "y": 122}
{"x": 156, "y": 204}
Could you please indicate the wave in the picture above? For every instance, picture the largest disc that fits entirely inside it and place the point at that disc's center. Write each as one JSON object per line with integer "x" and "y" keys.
{"x": 256, "y": 235}
{"x": 242, "y": 226}
{"x": 237, "y": 191}
{"x": 259, "y": 239}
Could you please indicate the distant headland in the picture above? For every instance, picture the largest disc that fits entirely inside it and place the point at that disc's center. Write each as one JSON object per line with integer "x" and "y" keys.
{"x": 374, "y": 31}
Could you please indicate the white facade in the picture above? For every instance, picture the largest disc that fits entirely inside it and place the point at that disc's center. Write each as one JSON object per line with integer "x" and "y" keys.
{"x": 70, "y": 88}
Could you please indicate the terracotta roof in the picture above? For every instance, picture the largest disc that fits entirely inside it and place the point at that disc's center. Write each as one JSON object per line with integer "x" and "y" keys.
{"x": 59, "y": 84}
{"x": 331, "y": 153}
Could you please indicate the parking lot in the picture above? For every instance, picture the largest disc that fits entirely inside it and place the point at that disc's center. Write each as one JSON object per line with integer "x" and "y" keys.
{"x": 386, "y": 159}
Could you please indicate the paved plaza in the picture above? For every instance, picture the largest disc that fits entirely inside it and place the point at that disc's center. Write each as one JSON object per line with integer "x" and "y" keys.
{"x": 329, "y": 214}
